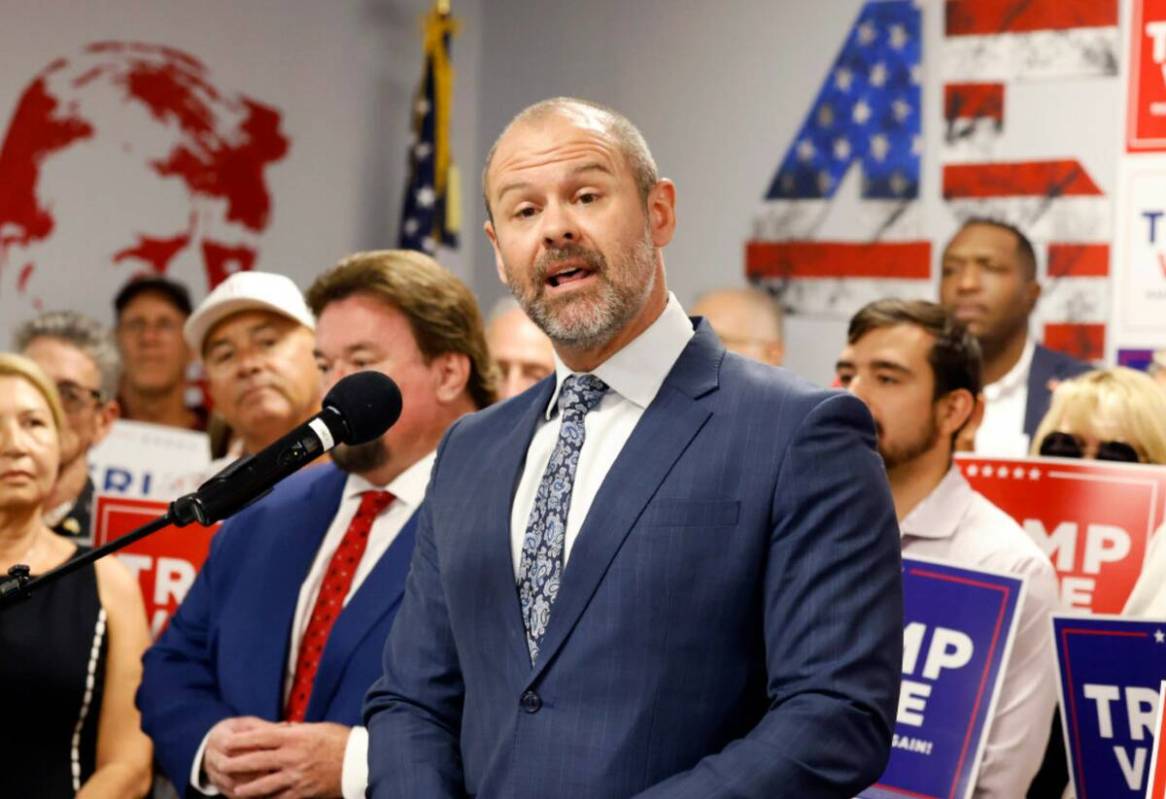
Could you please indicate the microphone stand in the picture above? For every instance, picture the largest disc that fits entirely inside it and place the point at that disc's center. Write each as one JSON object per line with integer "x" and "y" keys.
{"x": 19, "y": 583}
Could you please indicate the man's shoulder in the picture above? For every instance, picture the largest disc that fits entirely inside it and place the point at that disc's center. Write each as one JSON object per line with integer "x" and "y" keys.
{"x": 994, "y": 540}
{"x": 1052, "y": 363}
{"x": 272, "y": 512}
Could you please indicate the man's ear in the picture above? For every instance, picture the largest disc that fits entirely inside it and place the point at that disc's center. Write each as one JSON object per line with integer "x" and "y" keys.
{"x": 662, "y": 212}
{"x": 493, "y": 237}
{"x": 106, "y": 416}
{"x": 451, "y": 373}
{"x": 965, "y": 440}
{"x": 956, "y": 408}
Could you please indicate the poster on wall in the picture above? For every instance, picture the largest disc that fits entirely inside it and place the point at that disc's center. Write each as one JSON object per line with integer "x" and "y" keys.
{"x": 1143, "y": 231}
{"x": 1092, "y": 518}
{"x": 1146, "y": 125}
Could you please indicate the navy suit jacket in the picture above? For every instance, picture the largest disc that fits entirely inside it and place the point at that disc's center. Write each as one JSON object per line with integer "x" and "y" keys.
{"x": 729, "y": 622}
{"x": 225, "y": 651}
{"x": 1047, "y": 365}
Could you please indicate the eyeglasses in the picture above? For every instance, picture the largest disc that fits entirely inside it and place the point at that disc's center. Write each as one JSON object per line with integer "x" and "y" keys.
{"x": 75, "y": 397}
{"x": 1066, "y": 445}
{"x": 138, "y": 327}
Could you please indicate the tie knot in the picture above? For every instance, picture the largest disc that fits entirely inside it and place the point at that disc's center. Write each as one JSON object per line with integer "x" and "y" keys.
{"x": 373, "y": 502}
{"x": 580, "y": 395}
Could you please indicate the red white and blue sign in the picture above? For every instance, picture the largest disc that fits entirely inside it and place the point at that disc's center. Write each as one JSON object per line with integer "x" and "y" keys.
{"x": 958, "y": 629}
{"x": 1111, "y": 670}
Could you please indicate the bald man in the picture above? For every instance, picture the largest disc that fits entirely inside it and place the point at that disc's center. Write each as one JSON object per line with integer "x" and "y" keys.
{"x": 747, "y": 320}
{"x": 522, "y": 352}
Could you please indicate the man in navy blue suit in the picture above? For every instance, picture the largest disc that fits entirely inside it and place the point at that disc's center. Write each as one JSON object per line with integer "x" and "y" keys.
{"x": 663, "y": 571}
{"x": 255, "y": 689}
{"x": 989, "y": 282}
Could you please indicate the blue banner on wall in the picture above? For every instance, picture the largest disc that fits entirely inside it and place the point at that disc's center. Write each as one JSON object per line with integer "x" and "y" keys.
{"x": 1111, "y": 670}
{"x": 958, "y": 632}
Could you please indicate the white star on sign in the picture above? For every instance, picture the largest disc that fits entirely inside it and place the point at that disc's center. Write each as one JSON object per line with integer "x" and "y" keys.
{"x": 824, "y": 182}
{"x": 879, "y": 146}
{"x": 805, "y": 150}
{"x": 973, "y": 470}
{"x": 1159, "y": 637}
{"x": 878, "y": 74}
{"x": 866, "y": 33}
{"x": 861, "y": 112}
{"x": 916, "y": 74}
{"x": 1034, "y": 474}
{"x": 842, "y": 149}
{"x": 898, "y": 37}
{"x": 426, "y": 196}
{"x": 423, "y": 149}
{"x": 1018, "y": 472}
{"x": 916, "y": 145}
{"x": 422, "y": 106}
{"x": 901, "y": 109}
{"x": 410, "y": 226}
{"x": 429, "y": 245}
{"x": 988, "y": 471}
{"x": 898, "y": 184}
{"x": 825, "y": 115}
{"x": 843, "y": 77}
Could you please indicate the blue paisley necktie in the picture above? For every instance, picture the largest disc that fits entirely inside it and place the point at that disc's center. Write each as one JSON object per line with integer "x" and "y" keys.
{"x": 541, "y": 566}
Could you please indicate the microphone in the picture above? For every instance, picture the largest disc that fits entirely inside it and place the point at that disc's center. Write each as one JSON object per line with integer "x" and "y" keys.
{"x": 358, "y": 409}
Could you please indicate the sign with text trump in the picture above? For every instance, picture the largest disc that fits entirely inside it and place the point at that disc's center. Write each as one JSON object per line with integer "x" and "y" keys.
{"x": 1110, "y": 670}
{"x": 165, "y": 563}
{"x": 958, "y": 631}
{"x": 1092, "y": 518}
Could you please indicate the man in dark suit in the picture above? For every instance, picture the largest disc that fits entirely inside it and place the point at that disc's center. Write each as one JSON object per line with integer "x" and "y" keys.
{"x": 287, "y": 619}
{"x": 666, "y": 570}
{"x": 989, "y": 281}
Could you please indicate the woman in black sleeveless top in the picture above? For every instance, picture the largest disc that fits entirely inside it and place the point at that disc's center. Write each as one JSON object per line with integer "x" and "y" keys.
{"x": 70, "y": 653}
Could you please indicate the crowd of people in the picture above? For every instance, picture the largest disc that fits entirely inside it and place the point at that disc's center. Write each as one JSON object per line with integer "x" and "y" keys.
{"x": 596, "y": 555}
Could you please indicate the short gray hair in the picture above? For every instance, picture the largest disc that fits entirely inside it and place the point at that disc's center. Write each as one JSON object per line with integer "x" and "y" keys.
{"x": 87, "y": 335}
{"x": 626, "y": 135}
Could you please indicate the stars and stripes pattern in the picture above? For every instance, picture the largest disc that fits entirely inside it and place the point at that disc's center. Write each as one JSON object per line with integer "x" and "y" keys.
{"x": 431, "y": 208}
{"x": 867, "y": 110}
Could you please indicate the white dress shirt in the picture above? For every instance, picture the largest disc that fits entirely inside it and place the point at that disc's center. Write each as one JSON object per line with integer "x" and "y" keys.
{"x": 634, "y": 376}
{"x": 956, "y": 524}
{"x": 1001, "y": 434}
{"x": 409, "y": 489}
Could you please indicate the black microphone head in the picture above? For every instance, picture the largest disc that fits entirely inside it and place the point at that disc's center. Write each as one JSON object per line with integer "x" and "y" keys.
{"x": 368, "y": 404}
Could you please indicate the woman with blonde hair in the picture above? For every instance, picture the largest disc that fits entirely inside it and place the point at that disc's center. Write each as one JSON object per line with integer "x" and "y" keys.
{"x": 1116, "y": 414}
{"x": 70, "y": 653}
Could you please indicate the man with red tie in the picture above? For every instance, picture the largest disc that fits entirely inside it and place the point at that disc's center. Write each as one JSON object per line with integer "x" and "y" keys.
{"x": 255, "y": 688}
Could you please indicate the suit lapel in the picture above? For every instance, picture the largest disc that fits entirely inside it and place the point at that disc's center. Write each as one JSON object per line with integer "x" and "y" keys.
{"x": 660, "y": 437}
{"x": 304, "y": 521}
{"x": 380, "y": 592}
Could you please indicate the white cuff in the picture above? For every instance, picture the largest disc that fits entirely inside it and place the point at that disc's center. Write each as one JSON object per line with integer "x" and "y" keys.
{"x": 354, "y": 770}
{"x": 196, "y": 772}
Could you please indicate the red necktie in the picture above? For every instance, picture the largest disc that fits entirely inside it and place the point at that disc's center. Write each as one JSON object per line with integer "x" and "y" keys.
{"x": 335, "y": 586}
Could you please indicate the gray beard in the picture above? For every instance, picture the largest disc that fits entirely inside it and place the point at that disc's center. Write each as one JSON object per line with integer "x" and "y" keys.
{"x": 361, "y": 458}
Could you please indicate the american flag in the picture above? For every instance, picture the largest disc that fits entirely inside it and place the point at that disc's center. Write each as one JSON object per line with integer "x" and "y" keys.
{"x": 868, "y": 110}
{"x": 431, "y": 208}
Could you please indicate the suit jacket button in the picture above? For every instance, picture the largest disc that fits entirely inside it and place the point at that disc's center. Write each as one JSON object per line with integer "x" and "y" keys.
{"x": 531, "y": 702}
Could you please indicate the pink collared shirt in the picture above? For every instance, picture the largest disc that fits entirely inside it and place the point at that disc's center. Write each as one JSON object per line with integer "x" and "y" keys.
{"x": 956, "y": 524}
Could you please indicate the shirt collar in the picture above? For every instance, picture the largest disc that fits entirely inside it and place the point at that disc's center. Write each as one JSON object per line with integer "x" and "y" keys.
{"x": 939, "y": 514}
{"x": 638, "y": 370}
{"x": 1017, "y": 376}
{"x": 408, "y": 487}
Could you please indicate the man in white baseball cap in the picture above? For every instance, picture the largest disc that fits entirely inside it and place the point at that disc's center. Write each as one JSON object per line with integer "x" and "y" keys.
{"x": 255, "y": 337}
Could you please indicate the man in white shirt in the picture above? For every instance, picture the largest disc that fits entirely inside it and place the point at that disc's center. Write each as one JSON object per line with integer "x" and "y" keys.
{"x": 669, "y": 572}
{"x": 255, "y": 688}
{"x": 918, "y": 369}
{"x": 988, "y": 280}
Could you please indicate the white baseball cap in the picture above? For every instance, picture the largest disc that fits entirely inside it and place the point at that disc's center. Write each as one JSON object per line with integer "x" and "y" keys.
{"x": 247, "y": 291}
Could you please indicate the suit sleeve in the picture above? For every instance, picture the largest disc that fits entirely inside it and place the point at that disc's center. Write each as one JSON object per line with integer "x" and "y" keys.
{"x": 413, "y": 711}
{"x": 179, "y": 695}
{"x": 833, "y": 624}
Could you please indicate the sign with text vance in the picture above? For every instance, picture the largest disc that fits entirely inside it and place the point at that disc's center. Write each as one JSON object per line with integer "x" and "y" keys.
{"x": 1110, "y": 670}
{"x": 1092, "y": 518}
{"x": 958, "y": 632}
